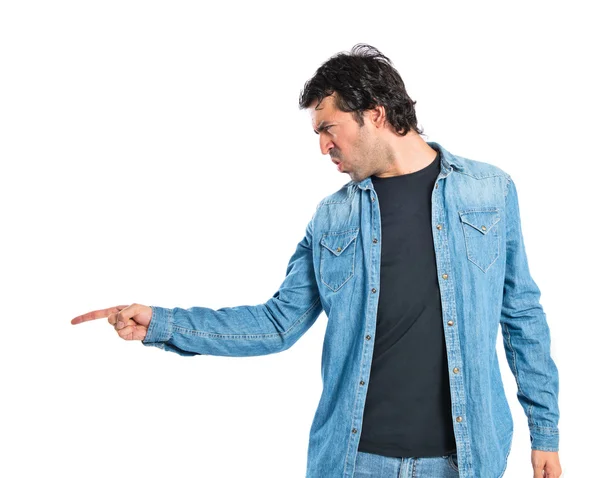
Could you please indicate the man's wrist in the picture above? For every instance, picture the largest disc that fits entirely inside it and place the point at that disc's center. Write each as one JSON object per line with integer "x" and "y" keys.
{"x": 160, "y": 328}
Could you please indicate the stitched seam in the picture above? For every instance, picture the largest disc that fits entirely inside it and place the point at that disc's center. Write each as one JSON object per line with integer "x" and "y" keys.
{"x": 549, "y": 431}
{"x": 514, "y": 360}
{"x": 183, "y": 330}
{"x": 508, "y": 180}
{"x": 348, "y": 197}
{"x": 490, "y": 175}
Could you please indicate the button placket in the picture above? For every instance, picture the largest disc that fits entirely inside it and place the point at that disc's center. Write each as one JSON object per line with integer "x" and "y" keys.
{"x": 373, "y": 289}
{"x": 442, "y": 253}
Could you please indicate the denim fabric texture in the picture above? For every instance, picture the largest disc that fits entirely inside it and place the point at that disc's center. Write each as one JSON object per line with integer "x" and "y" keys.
{"x": 370, "y": 465}
{"x": 485, "y": 285}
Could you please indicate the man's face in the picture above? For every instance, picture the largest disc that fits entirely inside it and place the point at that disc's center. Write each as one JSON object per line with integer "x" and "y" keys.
{"x": 355, "y": 149}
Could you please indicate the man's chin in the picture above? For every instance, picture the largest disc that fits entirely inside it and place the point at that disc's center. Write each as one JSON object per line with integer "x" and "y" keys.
{"x": 354, "y": 177}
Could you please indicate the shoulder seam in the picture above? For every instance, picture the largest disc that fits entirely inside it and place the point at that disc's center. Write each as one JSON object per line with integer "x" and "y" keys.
{"x": 508, "y": 181}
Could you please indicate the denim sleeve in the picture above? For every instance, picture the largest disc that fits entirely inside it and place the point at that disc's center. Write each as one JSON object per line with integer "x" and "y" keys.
{"x": 526, "y": 336}
{"x": 245, "y": 330}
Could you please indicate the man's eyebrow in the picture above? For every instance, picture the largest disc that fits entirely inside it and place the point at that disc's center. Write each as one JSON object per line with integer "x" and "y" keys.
{"x": 323, "y": 124}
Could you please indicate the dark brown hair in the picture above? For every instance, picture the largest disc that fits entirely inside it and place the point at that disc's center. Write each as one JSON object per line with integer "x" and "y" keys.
{"x": 363, "y": 79}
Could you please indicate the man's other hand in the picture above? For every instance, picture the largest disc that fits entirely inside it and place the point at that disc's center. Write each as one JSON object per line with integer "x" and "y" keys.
{"x": 546, "y": 462}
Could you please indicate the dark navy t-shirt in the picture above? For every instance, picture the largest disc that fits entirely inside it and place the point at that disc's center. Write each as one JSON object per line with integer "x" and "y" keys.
{"x": 408, "y": 408}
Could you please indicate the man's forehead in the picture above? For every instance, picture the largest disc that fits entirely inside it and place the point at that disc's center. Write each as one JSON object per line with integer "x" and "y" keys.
{"x": 322, "y": 115}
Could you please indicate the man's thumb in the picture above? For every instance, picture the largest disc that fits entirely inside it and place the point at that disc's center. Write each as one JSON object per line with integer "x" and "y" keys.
{"x": 127, "y": 313}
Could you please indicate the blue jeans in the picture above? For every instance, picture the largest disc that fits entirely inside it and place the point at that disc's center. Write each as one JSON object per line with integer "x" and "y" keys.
{"x": 370, "y": 465}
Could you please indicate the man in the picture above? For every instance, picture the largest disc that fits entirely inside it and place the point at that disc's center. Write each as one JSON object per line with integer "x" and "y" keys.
{"x": 417, "y": 261}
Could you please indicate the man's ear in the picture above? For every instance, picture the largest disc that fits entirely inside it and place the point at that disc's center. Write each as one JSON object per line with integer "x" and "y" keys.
{"x": 376, "y": 116}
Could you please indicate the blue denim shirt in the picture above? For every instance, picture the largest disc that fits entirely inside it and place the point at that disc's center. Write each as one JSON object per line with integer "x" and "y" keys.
{"x": 485, "y": 284}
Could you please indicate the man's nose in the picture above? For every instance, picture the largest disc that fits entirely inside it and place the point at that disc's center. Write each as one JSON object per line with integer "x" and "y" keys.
{"x": 326, "y": 145}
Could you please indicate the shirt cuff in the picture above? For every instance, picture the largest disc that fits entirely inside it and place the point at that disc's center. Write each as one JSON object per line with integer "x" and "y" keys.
{"x": 543, "y": 438}
{"x": 161, "y": 325}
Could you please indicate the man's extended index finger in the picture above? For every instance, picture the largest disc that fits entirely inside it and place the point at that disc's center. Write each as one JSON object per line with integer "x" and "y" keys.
{"x": 97, "y": 314}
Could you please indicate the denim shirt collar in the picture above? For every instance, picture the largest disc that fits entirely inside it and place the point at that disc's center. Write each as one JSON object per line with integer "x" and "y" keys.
{"x": 447, "y": 164}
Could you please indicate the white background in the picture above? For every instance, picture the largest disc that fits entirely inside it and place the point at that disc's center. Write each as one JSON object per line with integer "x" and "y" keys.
{"x": 153, "y": 152}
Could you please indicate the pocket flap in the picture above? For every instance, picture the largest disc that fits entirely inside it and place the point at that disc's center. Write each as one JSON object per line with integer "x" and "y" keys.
{"x": 337, "y": 242}
{"x": 481, "y": 219}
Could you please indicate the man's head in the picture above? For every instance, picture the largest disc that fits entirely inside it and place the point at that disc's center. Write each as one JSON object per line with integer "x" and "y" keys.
{"x": 359, "y": 107}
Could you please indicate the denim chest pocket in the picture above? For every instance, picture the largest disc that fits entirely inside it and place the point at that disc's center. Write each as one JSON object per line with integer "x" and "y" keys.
{"x": 338, "y": 250}
{"x": 482, "y": 241}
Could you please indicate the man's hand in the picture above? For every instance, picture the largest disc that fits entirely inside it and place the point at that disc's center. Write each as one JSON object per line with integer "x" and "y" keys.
{"x": 545, "y": 464}
{"x": 130, "y": 321}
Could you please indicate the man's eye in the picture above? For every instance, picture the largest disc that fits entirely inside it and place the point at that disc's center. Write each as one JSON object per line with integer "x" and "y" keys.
{"x": 325, "y": 128}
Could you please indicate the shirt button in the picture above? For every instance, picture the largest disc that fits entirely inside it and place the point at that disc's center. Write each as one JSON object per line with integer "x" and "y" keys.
{"x": 459, "y": 419}
{"x": 436, "y": 185}
{"x": 372, "y": 198}
{"x": 450, "y": 323}
{"x": 354, "y": 430}
{"x": 444, "y": 276}
{"x": 484, "y": 228}
{"x": 373, "y": 290}
{"x": 455, "y": 370}
{"x": 375, "y": 241}
{"x": 362, "y": 383}
{"x": 439, "y": 226}
{"x": 368, "y": 337}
